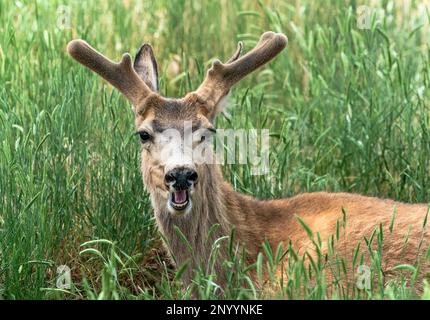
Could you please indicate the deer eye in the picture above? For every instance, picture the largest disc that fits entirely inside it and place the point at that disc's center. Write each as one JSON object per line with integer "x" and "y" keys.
{"x": 144, "y": 136}
{"x": 207, "y": 134}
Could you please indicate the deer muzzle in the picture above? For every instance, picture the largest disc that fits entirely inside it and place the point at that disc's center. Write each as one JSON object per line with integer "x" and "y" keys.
{"x": 180, "y": 182}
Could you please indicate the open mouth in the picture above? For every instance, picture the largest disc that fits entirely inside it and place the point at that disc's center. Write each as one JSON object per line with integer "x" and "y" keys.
{"x": 179, "y": 199}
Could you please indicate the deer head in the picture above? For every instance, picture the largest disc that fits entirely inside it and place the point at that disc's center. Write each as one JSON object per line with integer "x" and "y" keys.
{"x": 164, "y": 124}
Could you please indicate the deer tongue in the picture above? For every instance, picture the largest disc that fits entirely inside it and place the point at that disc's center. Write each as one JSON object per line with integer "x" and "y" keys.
{"x": 179, "y": 196}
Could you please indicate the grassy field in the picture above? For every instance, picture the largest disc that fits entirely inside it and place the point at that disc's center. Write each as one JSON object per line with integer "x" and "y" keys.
{"x": 347, "y": 108}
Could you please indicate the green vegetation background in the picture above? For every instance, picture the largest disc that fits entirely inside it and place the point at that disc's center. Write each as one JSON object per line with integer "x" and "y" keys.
{"x": 347, "y": 109}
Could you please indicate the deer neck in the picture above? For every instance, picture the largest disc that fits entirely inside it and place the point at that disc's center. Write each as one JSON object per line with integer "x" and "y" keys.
{"x": 214, "y": 203}
{"x": 207, "y": 210}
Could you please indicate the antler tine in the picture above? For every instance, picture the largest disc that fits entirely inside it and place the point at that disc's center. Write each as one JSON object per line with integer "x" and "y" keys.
{"x": 221, "y": 77}
{"x": 237, "y": 54}
{"x": 121, "y": 75}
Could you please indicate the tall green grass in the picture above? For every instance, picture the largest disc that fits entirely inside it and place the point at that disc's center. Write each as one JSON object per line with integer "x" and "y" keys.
{"x": 348, "y": 109}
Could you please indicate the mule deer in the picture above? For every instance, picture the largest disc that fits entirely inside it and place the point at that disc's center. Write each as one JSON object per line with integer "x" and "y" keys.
{"x": 194, "y": 196}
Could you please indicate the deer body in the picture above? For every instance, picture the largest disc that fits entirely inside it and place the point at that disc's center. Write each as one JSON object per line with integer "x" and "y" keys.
{"x": 256, "y": 221}
{"x": 192, "y": 196}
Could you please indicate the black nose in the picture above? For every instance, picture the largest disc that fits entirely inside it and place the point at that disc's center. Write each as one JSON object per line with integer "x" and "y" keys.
{"x": 181, "y": 178}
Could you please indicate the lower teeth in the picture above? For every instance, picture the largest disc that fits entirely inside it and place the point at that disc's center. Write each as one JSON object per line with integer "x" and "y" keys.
{"x": 180, "y": 206}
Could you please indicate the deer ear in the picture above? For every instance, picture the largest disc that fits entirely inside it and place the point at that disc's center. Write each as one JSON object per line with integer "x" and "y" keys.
{"x": 145, "y": 66}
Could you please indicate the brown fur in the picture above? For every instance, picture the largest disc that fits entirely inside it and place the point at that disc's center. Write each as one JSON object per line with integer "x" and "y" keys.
{"x": 215, "y": 201}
